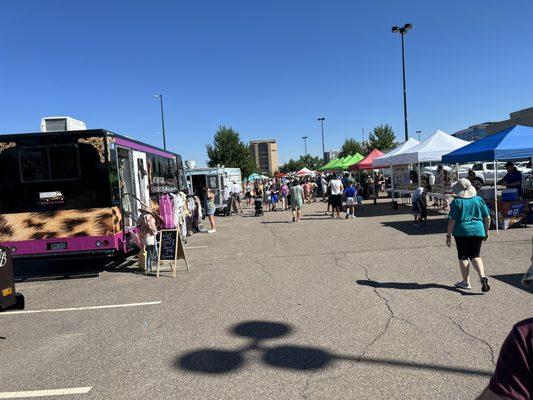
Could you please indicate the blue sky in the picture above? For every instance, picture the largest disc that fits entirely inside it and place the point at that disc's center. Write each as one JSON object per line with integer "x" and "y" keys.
{"x": 268, "y": 69}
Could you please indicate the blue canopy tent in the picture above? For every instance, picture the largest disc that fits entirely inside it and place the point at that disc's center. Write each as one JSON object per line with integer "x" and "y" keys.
{"x": 511, "y": 143}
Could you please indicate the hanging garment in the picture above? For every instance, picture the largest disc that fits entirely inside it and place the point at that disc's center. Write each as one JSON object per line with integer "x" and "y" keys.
{"x": 166, "y": 211}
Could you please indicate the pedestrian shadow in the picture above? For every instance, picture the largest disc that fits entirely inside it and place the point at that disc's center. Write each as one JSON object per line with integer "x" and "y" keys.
{"x": 275, "y": 222}
{"x": 513, "y": 280}
{"x": 413, "y": 286}
{"x": 219, "y": 361}
{"x": 409, "y": 228}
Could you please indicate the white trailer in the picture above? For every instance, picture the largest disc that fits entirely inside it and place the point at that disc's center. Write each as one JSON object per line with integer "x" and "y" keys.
{"x": 216, "y": 179}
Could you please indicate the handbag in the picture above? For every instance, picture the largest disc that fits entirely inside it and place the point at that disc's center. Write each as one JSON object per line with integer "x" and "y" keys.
{"x": 141, "y": 259}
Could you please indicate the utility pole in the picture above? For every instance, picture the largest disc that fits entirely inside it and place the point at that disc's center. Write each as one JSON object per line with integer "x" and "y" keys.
{"x": 321, "y": 119}
{"x": 402, "y": 31}
{"x": 305, "y": 144}
{"x": 160, "y": 97}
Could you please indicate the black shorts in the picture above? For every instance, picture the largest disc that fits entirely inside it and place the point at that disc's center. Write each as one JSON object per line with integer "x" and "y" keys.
{"x": 336, "y": 200}
{"x": 237, "y": 197}
{"x": 468, "y": 247}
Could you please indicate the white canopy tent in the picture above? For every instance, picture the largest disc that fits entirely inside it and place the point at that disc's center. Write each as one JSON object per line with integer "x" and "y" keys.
{"x": 431, "y": 149}
{"x": 385, "y": 160}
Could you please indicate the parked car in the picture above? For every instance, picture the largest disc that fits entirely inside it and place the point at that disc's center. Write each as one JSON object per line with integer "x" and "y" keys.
{"x": 485, "y": 171}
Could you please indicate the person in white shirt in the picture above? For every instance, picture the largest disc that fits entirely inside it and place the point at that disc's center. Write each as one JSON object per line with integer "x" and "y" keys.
{"x": 236, "y": 190}
{"x": 336, "y": 196}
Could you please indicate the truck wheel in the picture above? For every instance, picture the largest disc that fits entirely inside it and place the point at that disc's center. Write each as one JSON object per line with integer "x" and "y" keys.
{"x": 480, "y": 181}
{"x": 20, "y": 302}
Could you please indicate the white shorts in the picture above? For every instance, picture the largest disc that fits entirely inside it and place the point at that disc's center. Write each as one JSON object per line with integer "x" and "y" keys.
{"x": 350, "y": 201}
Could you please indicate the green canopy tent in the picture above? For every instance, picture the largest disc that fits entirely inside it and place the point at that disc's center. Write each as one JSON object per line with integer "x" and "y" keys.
{"x": 352, "y": 160}
{"x": 331, "y": 165}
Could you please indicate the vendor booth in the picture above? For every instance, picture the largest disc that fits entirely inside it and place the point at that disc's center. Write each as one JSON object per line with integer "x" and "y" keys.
{"x": 515, "y": 143}
{"x": 367, "y": 162}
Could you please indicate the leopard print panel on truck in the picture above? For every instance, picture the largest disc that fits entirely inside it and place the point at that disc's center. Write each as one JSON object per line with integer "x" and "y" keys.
{"x": 60, "y": 224}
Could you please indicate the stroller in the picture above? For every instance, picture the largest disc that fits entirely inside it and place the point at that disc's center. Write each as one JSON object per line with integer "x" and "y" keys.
{"x": 258, "y": 203}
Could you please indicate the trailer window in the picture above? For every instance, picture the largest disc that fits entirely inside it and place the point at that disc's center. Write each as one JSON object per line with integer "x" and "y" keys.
{"x": 49, "y": 163}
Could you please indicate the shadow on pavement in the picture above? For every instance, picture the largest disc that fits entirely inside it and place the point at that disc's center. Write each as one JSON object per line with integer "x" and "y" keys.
{"x": 216, "y": 361}
{"x": 407, "y": 227}
{"x": 414, "y": 286}
{"x": 513, "y": 280}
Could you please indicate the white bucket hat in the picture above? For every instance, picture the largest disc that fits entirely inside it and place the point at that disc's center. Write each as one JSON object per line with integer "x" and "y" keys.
{"x": 464, "y": 189}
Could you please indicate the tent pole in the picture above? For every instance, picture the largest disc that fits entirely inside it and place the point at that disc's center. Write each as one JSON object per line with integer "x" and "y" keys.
{"x": 375, "y": 184}
{"x": 495, "y": 166}
{"x": 392, "y": 180}
{"x": 419, "y": 176}
{"x": 457, "y": 170}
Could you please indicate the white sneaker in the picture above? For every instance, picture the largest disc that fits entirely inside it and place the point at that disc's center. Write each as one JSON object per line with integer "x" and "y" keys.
{"x": 463, "y": 285}
{"x": 211, "y": 231}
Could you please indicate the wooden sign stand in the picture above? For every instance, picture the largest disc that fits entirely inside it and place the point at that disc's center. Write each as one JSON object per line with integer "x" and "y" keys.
{"x": 170, "y": 249}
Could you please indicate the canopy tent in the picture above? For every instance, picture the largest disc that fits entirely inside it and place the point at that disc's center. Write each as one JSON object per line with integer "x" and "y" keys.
{"x": 328, "y": 164}
{"x": 512, "y": 143}
{"x": 367, "y": 162}
{"x": 332, "y": 165}
{"x": 385, "y": 160}
{"x": 281, "y": 175}
{"x": 351, "y": 160}
{"x": 254, "y": 176}
{"x": 431, "y": 149}
{"x": 304, "y": 171}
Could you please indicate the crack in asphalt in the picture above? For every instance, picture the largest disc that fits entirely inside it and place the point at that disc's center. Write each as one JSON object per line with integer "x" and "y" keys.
{"x": 487, "y": 344}
{"x": 264, "y": 269}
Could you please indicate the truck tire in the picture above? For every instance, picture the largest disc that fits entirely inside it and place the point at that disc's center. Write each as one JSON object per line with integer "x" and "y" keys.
{"x": 20, "y": 302}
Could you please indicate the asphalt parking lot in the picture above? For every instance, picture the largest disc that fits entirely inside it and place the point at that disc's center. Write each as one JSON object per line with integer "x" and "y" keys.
{"x": 321, "y": 309}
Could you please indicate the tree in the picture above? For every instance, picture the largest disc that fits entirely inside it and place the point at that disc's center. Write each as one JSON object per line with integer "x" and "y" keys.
{"x": 228, "y": 150}
{"x": 350, "y": 147}
{"x": 308, "y": 161}
{"x": 381, "y": 138}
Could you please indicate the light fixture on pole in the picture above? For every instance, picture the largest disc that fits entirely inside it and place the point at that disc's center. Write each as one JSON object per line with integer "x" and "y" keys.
{"x": 419, "y": 135}
{"x": 160, "y": 97}
{"x": 322, "y": 119}
{"x": 305, "y": 144}
{"x": 402, "y": 31}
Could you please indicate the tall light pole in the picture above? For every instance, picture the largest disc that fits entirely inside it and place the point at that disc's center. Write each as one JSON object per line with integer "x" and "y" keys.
{"x": 363, "y": 142}
{"x": 160, "y": 97}
{"x": 419, "y": 134}
{"x": 402, "y": 31}
{"x": 321, "y": 119}
{"x": 305, "y": 144}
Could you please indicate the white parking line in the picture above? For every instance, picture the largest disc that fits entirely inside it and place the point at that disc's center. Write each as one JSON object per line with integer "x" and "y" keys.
{"x": 44, "y": 393}
{"x": 149, "y": 303}
{"x": 195, "y": 247}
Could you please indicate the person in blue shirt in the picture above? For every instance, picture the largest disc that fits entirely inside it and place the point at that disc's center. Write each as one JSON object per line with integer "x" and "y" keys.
{"x": 350, "y": 194}
{"x": 513, "y": 179}
{"x": 469, "y": 222}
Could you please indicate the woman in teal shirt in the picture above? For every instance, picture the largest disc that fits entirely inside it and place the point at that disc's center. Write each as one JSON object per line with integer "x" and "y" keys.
{"x": 469, "y": 222}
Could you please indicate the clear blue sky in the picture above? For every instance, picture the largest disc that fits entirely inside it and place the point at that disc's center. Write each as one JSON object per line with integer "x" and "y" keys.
{"x": 268, "y": 69}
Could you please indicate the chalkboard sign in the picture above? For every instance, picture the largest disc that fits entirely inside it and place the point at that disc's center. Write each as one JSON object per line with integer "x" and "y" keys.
{"x": 170, "y": 248}
{"x": 168, "y": 243}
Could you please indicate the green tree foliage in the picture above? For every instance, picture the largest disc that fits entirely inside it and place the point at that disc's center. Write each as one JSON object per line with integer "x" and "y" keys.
{"x": 381, "y": 138}
{"x": 350, "y": 147}
{"x": 308, "y": 161}
{"x": 228, "y": 150}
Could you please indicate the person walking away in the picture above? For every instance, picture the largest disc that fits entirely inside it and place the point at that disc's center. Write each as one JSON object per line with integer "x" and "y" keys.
{"x": 236, "y": 191}
{"x": 148, "y": 231}
{"x": 297, "y": 200}
{"x": 349, "y": 195}
{"x": 274, "y": 195}
{"x": 284, "y": 193}
{"x": 418, "y": 204}
{"x": 423, "y": 205}
{"x": 469, "y": 222}
{"x": 307, "y": 190}
{"x": 513, "y": 179}
{"x": 324, "y": 187}
{"x": 210, "y": 209}
{"x": 336, "y": 197}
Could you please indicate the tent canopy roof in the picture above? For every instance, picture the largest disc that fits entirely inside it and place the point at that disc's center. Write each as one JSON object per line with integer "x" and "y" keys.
{"x": 384, "y": 161}
{"x": 431, "y": 149}
{"x": 351, "y": 160}
{"x": 511, "y": 143}
{"x": 366, "y": 163}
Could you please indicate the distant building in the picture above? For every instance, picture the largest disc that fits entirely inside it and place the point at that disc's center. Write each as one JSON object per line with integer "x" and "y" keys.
{"x": 474, "y": 132}
{"x": 520, "y": 117}
{"x": 330, "y": 155}
{"x": 479, "y": 131}
{"x": 265, "y": 153}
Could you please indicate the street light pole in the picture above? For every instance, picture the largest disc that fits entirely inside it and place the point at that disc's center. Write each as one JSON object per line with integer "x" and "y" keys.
{"x": 321, "y": 119}
{"x": 305, "y": 144}
{"x": 160, "y": 97}
{"x": 419, "y": 134}
{"x": 402, "y": 31}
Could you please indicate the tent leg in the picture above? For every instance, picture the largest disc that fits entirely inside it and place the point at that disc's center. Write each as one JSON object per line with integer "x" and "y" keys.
{"x": 375, "y": 185}
{"x": 392, "y": 181}
{"x": 419, "y": 176}
{"x": 495, "y": 169}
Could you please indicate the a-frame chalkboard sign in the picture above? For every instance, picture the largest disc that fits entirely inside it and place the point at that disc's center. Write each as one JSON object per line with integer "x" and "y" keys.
{"x": 170, "y": 250}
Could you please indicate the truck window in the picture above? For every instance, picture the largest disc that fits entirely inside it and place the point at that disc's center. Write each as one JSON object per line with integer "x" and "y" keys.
{"x": 477, "y": 167}
{"x": 49, "y": 163}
